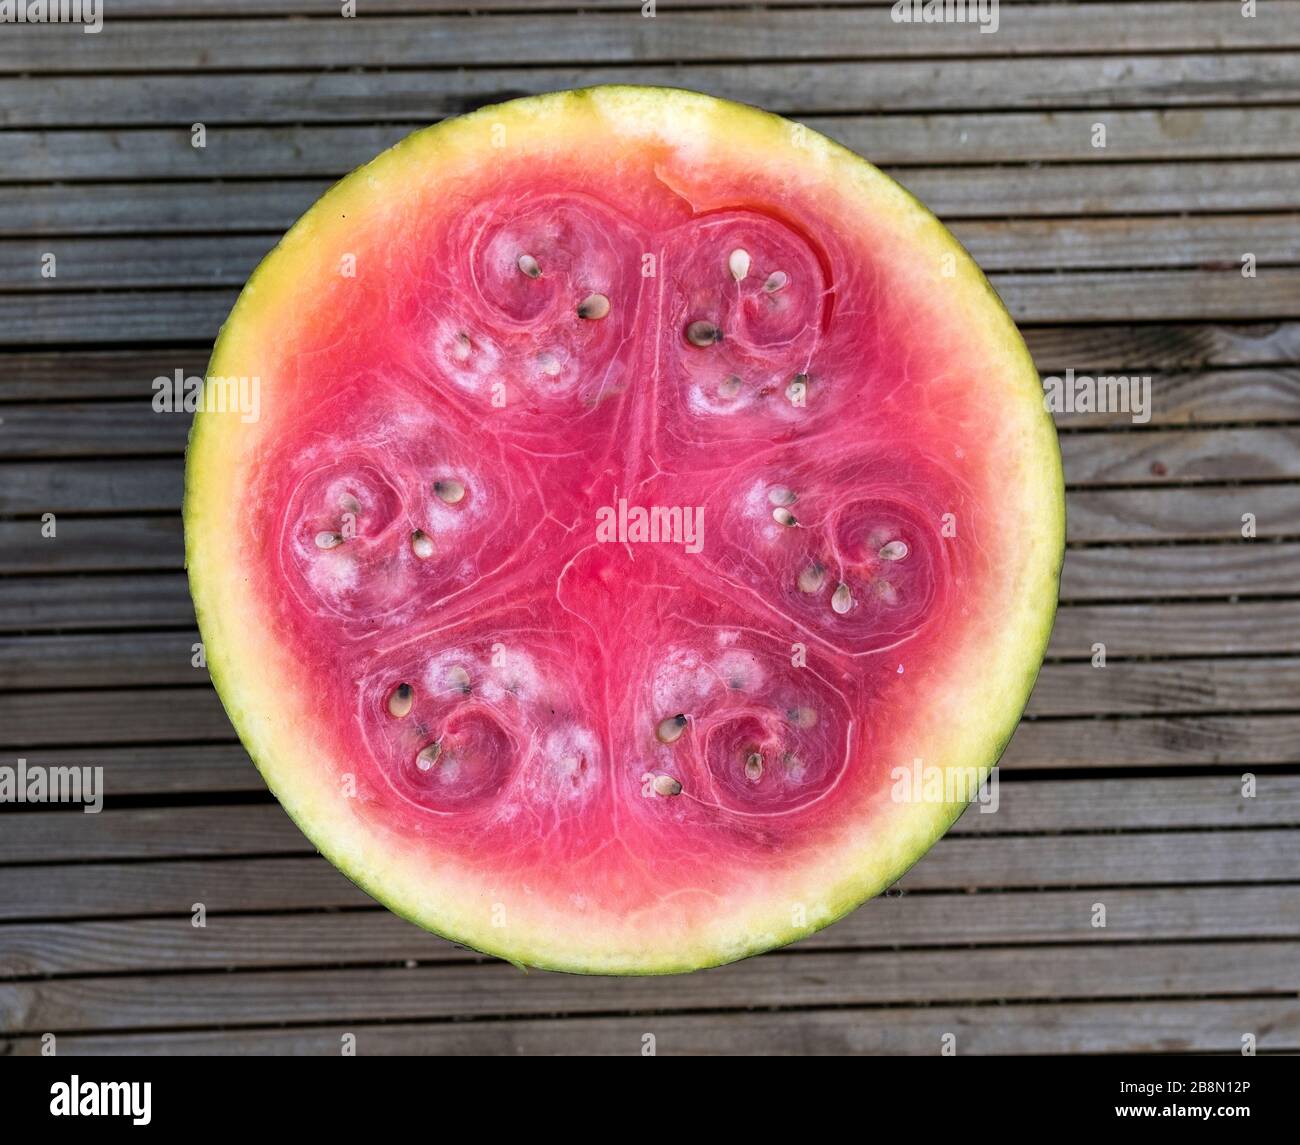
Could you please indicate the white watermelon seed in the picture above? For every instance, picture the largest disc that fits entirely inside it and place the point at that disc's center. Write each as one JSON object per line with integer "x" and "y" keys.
{"x": 458, "y": 678}
{"x": 349, "y": 504}
{"x": 421, "y": 544}
{"x": 803, "y": 717}
{"x": 754, "y": 767}
{"x": 894, "y": 551}
{"x": 593, "y": 306}
{"x": 702, "y": 333}
{"x": 462, "y": 348}
{"x": 670, "y": 730}
{"x": 667, "y": 785}
{"x": 400, "y": 700}
{"x": 428, "y": 756}
{"x": 783, "y": 516}
{"x": 776, "y": 280}
{"x": 842, "y": 599}
{"x": 738, "y": 263}
{"x": 328, "y": 540}
{"x": 812, "y": 578}
{"x": 729, "y": 387}
{"x": 780, "y": 495}
{"x": 528, "y": 265}
{"x": 450, "y": 492}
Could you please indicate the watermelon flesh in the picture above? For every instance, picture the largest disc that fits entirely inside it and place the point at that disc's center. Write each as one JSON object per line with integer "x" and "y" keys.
{"x": 629, "y": 502}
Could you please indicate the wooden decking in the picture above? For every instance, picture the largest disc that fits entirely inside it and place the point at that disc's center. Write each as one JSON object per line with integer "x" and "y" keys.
{"x": 1124, "y": 785}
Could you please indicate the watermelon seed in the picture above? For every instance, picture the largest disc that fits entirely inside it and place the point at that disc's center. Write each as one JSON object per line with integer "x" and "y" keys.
{"x": 421, "y": 544}
{"x": 738, "y": 263}
{"x": 729, "y": 387}
{"x": 528, "y": 265}
{"x": 667, "y": 785}
{"x": 894, "y": 551}
{"x": 783, "y": 516}
{"x": 463, "y": 347}
{"x": 593, "y": 306}
{"x": 428, "y": 756}
{"x": 549, "y": 363}
{"x": 842, "y": 599}
{"x": 754, "y": 767}
{"x": 328, "y": 540}
{"x": 670, "y": 730}
{"x": 776, "y": 280}
{"x": 349, "y": 504}
{"x": 780, "y": 495}
{"x": 802, "y": 717}
{"x": 450, "y": 492}
{"x": 703, "y": 333}
{"x": 400, "y": 700}
{"x": 812, "y": 578}
{"x": 458, "y": 678}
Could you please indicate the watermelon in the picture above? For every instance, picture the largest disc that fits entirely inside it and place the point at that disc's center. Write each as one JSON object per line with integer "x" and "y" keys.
{"x": 640, "y": 486}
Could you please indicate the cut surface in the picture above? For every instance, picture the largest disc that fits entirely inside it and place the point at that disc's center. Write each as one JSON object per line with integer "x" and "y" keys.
{"x": 638, "y": 481}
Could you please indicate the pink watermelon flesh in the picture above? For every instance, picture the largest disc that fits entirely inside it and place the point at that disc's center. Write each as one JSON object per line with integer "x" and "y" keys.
{"x": 617, "y": 724}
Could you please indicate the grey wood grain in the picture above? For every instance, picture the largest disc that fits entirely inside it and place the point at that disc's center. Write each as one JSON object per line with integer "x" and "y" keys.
{"x": 288, "y": 883}
{"x": 1146, "y": 1027}
{"x": 957, "y": 137}
{"x": 459, "y": 990}
{"x": 625, "y": 37}
{"x": 376, "y": 936}
{"x": 803, "y": 88}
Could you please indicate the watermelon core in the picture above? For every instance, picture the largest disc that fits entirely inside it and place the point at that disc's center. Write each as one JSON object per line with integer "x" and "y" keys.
{"x": 640, "y": 481}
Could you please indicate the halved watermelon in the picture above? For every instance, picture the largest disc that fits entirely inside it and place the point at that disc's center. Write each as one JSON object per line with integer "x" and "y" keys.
{"x": 640, "y": 481}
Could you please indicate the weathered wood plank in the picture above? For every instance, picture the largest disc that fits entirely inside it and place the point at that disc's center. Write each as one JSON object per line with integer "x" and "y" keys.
{"x": 1037, "y": 1028}
{"x": 1156, "y": 295}
{"x": 142, "y": 601}
{"x": 91, "y": 544}
{"x": 1155, "y": 741}
{"x": 216, "y": 768}
{"x": 376, "y": 936}
{"x": 70, "y": 317}
{"x": 1120, "y": 573}
{"x": 1166, "y": 687}
{"x": 458, "y": 990}
{"x": 161, "y": 705}
{"x": 1177, "y": 629}
{"x": 105, "y": 428}
{"x": 137, "y": 485}
{"x": 141, "y": 262}
{"x": 803, "y": 88}
{"x": 72, "y": 429}
{"x": 955, "y": 863}
{"x": 1243, "y": 394}
{"x": 305, "y": 151}
{"x": 48, "y": 836}
{"x": 208, "y": 8}
{"x": 1184, "y": 513}
{"x": 1209, "y": 397}
{"x": 1165, "y": 346}
{"x": 746, "y": 34}
{"x": 1181, "y": 456}
{"x": 91, "y": 486}
{"x": 1240, "y": 742}
{"x": 101, "y": 602}
{"x": 128, "y": 543}
{"x": 953, "y": 193}
{"x": 113, "y": 716}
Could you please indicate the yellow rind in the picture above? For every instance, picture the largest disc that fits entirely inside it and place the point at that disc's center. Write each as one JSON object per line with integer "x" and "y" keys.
{"x": 992, "y": 677}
